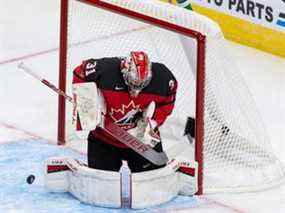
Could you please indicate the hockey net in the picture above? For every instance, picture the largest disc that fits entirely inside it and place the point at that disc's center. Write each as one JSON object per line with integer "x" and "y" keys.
{"x": 231, "y": 145}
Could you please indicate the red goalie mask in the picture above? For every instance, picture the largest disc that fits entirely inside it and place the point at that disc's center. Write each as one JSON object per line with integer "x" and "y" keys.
{"x": 136, "y": 70}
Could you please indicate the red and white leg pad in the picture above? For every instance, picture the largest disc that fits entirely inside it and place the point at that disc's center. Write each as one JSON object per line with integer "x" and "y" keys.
{"x": 92, "y": 186}
{"x": 162, "y": 185}
{"x": 103, "y": 188}
{"x": 56, "y": 174}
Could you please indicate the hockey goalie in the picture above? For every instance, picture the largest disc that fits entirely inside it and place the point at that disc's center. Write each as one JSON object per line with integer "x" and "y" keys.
{"x": 136, "y": 95}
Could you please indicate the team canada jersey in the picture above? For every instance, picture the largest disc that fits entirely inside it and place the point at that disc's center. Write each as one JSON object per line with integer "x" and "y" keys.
{"x": 121, "y": 107}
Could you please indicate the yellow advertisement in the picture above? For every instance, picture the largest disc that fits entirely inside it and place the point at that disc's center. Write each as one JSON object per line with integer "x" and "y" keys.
{"x": 255, "y": 23}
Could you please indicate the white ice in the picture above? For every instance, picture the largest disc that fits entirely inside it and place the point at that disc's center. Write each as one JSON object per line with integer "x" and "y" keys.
{"x": 27, "y": 108}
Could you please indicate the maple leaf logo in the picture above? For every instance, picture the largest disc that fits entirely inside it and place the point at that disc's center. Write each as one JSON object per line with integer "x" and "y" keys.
{"x": 126, "y": 115}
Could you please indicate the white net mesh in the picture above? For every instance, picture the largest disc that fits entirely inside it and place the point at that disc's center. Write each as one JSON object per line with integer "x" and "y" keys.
{"x": 237, "y": 154}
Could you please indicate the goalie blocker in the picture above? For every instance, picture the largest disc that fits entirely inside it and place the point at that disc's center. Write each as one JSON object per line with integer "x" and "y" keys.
{"x": 103, "y": 188}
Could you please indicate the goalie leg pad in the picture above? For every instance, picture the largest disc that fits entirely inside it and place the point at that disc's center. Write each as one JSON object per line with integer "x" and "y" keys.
{"x": 153, "y": 187}
{"x": 92, "y": 186}
{"x": 158, "y": 186}
{"x": 95, "y": 187}
{"x": 103, "y": 188}
{"x": 188, "y": 177}
{"x": 56, "y": 174}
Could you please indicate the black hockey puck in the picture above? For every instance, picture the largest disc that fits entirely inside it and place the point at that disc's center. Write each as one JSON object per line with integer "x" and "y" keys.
{"x": 30, "y": 179}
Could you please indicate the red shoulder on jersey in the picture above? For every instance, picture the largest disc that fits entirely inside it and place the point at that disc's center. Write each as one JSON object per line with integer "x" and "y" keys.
{"x": 87, "y": 68}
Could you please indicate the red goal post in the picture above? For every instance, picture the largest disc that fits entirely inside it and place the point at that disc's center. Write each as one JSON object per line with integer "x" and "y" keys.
{"x": 228, "y": 132}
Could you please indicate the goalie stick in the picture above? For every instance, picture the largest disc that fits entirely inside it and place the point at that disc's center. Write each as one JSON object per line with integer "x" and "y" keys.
{"x": 157, "y": 158}
{"x": 22, "y": 66}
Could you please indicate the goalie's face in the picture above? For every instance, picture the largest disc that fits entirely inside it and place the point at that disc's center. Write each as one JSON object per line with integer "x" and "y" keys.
{"x": 137, "y": 72}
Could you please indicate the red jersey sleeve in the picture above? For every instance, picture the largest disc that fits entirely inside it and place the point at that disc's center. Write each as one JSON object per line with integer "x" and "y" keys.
{"x": 78, "y": 75}
{"x": 86, "y": 72}
{"x": 165, "y": 108}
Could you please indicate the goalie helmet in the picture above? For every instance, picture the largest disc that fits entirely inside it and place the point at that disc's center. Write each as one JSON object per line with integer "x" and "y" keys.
{"x": 136, "y": 71}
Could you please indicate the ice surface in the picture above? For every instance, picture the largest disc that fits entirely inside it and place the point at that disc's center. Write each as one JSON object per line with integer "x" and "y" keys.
{"x": 30, "y": 32}
{"x": 20, "y": 159}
